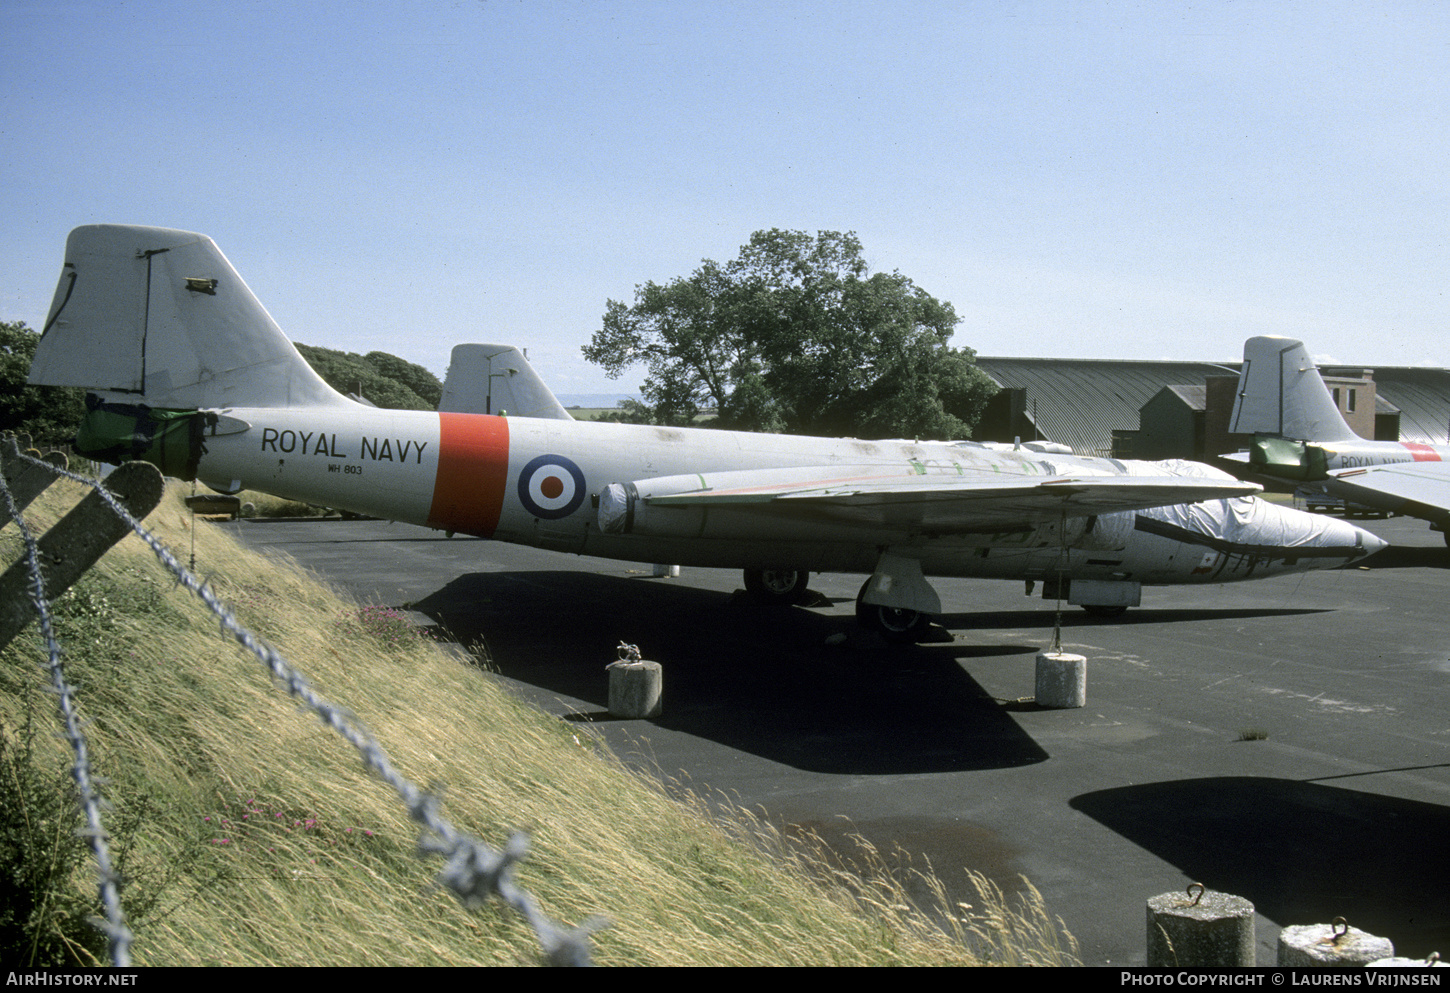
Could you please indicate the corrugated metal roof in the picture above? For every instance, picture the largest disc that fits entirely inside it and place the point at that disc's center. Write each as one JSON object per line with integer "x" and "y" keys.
{"x": 1080, "y": 402}
{"x": 1423, "y": 396}
{"x": 1193, "y": 397}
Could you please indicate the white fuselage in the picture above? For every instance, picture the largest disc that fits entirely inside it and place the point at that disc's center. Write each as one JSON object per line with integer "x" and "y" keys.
{"x": 536, "y": 482}
{"x": 1359, "y": 454}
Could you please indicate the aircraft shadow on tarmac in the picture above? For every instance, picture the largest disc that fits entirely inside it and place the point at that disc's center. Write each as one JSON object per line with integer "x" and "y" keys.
{"x": 1409, "y": 557}
{"x": 756, "y": 678}
{"x": 762, "y": 679}
{"x": 1076, "y": 617}
{"x": 1301, "y": 852}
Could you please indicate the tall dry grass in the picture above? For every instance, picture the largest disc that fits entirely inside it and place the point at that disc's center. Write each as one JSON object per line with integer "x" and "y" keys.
{"x": 249, "y": 833}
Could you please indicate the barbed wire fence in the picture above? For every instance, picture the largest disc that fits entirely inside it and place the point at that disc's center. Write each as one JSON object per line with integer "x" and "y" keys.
{"x": 473, "y": 871}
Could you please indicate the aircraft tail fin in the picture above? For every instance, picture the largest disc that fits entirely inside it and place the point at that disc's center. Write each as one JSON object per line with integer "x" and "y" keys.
{"x": 1281, "y": 393}
{"x": 159, "y": 317}
{"x": 497, "y": 379}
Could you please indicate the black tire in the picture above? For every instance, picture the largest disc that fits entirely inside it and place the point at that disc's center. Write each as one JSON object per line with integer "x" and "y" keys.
{"x": 777, "y": 586}
{"x": 899, "y": 627}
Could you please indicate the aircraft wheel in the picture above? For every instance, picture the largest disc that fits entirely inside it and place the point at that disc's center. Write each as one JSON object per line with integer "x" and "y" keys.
{"x": 898, "y": 626}
{"x": 783, "y": 586}
{"x": 1103, "y": 612}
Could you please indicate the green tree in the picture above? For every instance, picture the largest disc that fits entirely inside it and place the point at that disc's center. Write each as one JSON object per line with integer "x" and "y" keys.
{"x": 383, "y": 379}
{"x": 795, "y": 335}
{"x": 48, "y": 414}
{"x": 628, "y": 411}
{"x": 423, "y": 383}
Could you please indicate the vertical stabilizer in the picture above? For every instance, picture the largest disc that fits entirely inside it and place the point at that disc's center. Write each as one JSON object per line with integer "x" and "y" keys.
{"x": 497, "y": 379}
{"x": 160, "y": 318}
{"x": 1281, "y": 393}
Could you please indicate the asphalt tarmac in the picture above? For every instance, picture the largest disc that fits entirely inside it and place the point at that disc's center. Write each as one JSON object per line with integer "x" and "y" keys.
{"x": 1283, "y": 740}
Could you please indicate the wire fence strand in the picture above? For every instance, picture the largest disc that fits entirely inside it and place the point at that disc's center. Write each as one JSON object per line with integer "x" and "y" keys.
{"x": 472, "y": 869}
{"x": 118, "y": 936}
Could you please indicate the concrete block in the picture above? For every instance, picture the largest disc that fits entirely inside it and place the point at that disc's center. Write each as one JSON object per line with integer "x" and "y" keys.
{"x": 636, "y": 689}
{"x": 1202, "y": 928}
{"x": 1335, "y": 944}
{"x": 1061, "y": 680}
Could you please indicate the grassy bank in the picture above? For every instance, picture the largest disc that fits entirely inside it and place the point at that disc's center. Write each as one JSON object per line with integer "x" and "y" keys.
{"x": 250, "y": 835}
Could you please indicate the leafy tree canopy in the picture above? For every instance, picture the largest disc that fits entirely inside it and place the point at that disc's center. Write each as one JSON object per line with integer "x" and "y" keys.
{"x": 627, "y": 411}
{"x": 49, "y": 414}
{"x": 796, "y": 336}
{"x": 383, "y": 379}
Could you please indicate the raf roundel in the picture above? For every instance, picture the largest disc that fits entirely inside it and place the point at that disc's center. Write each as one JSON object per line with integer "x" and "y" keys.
{"x": 551, "y": 487}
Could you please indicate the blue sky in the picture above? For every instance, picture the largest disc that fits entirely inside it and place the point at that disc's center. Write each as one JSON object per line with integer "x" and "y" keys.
{"x": 1084, "y": 179}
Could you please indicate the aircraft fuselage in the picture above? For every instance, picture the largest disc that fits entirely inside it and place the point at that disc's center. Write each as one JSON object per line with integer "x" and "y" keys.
{"x": 536, "y": 482}
{"x": 1359, "y": 454}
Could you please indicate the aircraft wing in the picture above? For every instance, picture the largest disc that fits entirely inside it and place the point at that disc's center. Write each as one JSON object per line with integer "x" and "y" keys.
{"x": 941, "y": 502}
{"x": 1418, "y": 489}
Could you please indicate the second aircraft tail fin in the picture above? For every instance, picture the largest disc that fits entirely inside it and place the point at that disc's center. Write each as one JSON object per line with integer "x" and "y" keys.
{"x": 497, "y": 379}
{"x": 1281, "y": 393}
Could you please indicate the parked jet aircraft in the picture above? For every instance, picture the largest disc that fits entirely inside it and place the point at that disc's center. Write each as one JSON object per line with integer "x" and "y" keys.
{"x": 1301, "y": 435}
{"x": 188, "y": 370}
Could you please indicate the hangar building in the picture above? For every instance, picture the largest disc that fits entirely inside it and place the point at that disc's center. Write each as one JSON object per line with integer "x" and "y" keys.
{"x": 1162, "y": 409}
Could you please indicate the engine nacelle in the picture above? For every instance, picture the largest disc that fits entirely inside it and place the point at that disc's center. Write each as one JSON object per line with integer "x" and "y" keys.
{"x": 624, "y": 509}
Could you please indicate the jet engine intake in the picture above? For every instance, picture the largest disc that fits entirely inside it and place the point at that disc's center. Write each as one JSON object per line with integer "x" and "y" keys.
{"x": 616, "y": 508}
{"x": 624, "y": 509}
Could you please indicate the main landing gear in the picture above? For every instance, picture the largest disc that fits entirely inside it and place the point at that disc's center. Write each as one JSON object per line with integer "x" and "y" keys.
{"x": 777, "y": 586}
{"x": 894, "y": 624}
{"x": 787, "y": 587}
